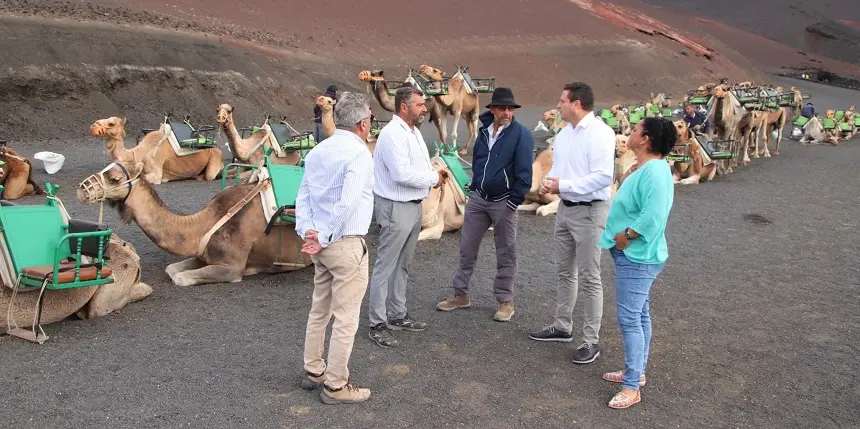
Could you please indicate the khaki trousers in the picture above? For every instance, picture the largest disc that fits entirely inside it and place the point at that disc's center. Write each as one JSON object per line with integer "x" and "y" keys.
{"x": 340, "y": 281}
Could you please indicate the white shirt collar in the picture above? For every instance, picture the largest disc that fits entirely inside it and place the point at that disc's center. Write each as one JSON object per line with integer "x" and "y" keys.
{"x": 341, "y": 132}
{"x": 583, "y": 123}
{"x": 402, "y": 123}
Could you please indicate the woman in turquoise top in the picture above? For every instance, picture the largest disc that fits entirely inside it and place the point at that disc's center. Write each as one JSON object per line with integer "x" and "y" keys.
{"x": 635, "y": 234}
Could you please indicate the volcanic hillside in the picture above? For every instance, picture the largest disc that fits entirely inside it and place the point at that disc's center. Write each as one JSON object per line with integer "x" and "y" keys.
{"x": 68, "y": 63}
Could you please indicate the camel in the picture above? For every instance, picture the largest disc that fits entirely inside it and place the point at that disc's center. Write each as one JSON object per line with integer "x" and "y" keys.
{"x": 16, "y": 175}
{"x": 624, "y": 127}
{"x": 725, "y": 116}
{"x": 442, "y": 210}
{"x": 774, "y": 120}
{"x": 541, "y": 204}
{"x": 744, "y": 85}
{"x": 219, "y": 248}
{"x": 376, "y": 80}
{"x": 698, "y": 169}
{"x": 815, "y": 130}
{"x": 625, "y": 162}
{"x": 660, "y": 99}
{"x": 251, "y": 149}
{"x": 161, "y": 163}
{"x": 749, "y": 132}
{"x": 551, "y": 122}
{"x": 460, "y": 101}
{"x": 85, "y": 302}
{"x": 327, "y": 106}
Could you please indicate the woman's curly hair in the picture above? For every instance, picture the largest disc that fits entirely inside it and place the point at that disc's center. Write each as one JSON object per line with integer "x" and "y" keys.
{"x": 662, "y": 133}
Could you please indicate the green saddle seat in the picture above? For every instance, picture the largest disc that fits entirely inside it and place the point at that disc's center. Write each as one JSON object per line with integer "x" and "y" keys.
{"x": 715, "y": 150}
{"x": 828, "y": 123}
{"x": 286, "y": 180}
{"x": 635, "y": 118}
{"x": 699, "y": 100}
{"x": 666, "y": 113}
{"x": 606, "y": 114}
{"x": 612, "y": 122}
{"x": 801, "y": 121}
{"x": 839, "y": 114}
{"x": 857, "y": 121}
{"x": 458, "y": 171}
{"x": 845, "y": 126}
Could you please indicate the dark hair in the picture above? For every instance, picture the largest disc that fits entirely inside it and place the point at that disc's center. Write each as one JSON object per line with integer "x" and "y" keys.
{"x": 581, "y": 91}
{"x": 404, "y": 95}
{"x": 662, "y": 133}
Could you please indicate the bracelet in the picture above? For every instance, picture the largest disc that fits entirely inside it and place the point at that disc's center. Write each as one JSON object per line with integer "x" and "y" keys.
{"x": 627, "y": 233}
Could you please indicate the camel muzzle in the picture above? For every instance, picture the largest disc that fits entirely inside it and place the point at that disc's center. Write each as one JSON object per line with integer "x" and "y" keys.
{"x": 91, "y": 190}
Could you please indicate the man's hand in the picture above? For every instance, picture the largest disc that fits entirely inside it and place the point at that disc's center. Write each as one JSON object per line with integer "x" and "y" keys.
{"x": 312, "y": 235}
{"x": 549, "y": 186}
{"x": 311, "y": 245}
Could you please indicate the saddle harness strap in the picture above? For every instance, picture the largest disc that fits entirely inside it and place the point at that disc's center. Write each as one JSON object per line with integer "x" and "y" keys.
{"x": 204, "y": 241}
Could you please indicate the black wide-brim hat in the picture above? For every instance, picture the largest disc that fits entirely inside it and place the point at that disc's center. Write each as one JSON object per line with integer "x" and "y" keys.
{"x": 503, "y": 97}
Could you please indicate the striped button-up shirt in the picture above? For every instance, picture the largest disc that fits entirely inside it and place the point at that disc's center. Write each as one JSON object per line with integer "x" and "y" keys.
{"x": 336, "y": 194}
{"x": 402, "y": 163}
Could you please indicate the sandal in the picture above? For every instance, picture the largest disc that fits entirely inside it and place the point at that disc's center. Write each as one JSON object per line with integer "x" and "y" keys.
{"x": 618, "y": 377}
{"x": 621, "y": 400}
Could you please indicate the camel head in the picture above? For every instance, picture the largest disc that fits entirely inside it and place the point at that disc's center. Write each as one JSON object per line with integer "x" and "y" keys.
{"x": 431, "y": 72}
{"x": 550, "y": 116}
{"x": 830, "y": 114}
{"x": 620, "y": 145}
{"x": 113, "y": 184}
{"x": 112, "y": 127}
{"x": 852, "y": 109}
{"x": 225, "y": 114}
{"x": 614, "y": 109}
{"x": 720, "y": 91}
{"x": 325, "y": 103}
{"x": 682, "y": 128}
{"x": 371, "y": 76}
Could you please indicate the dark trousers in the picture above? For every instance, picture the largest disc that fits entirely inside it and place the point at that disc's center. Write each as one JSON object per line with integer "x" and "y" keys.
{"x": 480, "y": 214}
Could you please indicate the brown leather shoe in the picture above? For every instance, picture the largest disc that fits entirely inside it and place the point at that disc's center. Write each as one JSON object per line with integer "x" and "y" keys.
{"x": 506, "y": 311}
{"x": 454, "y": 302}
{"x": 348, "y": 394}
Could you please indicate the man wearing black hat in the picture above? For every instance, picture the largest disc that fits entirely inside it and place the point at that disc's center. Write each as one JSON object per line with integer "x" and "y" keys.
{"x": 330, "y": 92}
{"x": 501, "y": 177}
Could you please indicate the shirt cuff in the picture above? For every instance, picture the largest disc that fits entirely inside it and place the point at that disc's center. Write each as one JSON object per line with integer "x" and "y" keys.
{"x": 565, "y": 186}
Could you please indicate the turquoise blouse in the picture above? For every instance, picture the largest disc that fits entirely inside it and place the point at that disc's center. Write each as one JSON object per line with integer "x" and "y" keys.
{"x": 642, "y": 204}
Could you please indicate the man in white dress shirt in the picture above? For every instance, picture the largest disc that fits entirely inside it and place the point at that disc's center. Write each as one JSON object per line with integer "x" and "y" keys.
{"x": 583, "y": 163}
{"x": 403, "y": 178}
{"x": 334, "y": 207}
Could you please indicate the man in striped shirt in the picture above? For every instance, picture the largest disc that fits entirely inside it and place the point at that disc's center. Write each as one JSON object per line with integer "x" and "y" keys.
{"x": 403, "y": 177}
{"x": 333, "y": 211}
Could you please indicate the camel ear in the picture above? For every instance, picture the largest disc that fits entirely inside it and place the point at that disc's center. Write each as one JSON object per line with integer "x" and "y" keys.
{"x": 122, "y": 121}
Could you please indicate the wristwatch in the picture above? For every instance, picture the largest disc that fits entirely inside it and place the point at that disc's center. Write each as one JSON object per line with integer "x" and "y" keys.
{"x": 627, "y": 233}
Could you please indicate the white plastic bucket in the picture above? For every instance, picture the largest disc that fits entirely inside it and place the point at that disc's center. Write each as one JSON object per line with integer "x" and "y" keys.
{"x": 52, "y": 162}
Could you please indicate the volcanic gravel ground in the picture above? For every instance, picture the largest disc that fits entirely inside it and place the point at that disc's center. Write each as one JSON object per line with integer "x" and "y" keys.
{"x": 755, "y": 325}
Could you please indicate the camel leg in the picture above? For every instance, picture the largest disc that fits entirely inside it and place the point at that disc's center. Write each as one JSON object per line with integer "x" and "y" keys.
{"x": 528, "y": 207}
{"x": 188, "y": 264}
{"x": 548, "y": 209}
{"x": 692, "y": 180}
{"x": 433, "y": 232}
{"x": 214, "y": 167}
{"x": 778, "y": 138}
{"x": 207, "y": 274}
{"x": 454, "y": 133}
{"x": 139, "y": 291}
{"x": 766, "y": 142}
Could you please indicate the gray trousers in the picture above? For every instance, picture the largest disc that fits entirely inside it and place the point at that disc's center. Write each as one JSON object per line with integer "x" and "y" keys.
{"x": 399, "y": 224}
{"x": 577, "y": 233}
{"x": 480, "y": 214}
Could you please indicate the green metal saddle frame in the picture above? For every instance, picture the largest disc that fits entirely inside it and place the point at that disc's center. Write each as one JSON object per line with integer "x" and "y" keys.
{"x": 839, "y": 114}
{"x": 718, "y": 149}
{"x": 448, "y": 153}
{"x": 801, "y": 121}
{"x": 828, "y": 123}
{"x": 43, "y": 253}
{"x": 635, "y": 118}
{"x": 201, "y": 138}
{"x": 286, "y": 180}
{"x": 857, "y": 121}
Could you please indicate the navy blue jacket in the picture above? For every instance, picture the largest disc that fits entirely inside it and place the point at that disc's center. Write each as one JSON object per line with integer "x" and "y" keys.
{"x": 808, "y": 111}
{"x": 506, "y": 171}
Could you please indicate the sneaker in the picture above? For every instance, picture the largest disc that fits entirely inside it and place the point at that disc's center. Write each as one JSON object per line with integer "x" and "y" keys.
{"x": 552, "y": 334}
{"x": 506, "y": 311}
{"x": 586, "y": 353}
{"x": 406, "y": 324}
{"x": 382, "y": 336}
{"x": 348, "y": 394}
{"x": 454, "y": 302}
{"x": 311, "y": 381}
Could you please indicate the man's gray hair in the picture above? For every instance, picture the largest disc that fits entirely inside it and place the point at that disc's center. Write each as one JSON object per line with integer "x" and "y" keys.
{"x": 350, "y": 109}
{"x": 404, "y": 95}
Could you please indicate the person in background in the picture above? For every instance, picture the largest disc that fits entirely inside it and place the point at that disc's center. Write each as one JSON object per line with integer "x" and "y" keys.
{"x": 808, "y": 111}
{"x": 502, "y": 175}
{"x": 694, "y": 119}
{"x": 334, "y": 207}
{"x": 330, "y": 92}
{"x": 636, "y": 236}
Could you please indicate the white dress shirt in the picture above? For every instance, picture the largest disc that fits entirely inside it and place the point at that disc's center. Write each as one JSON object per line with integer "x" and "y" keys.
{"x": 583, "y": 159}
{"x": 492, "y": 139}
{"x": 336, "y": 194}
{"x": 401, "y": 163}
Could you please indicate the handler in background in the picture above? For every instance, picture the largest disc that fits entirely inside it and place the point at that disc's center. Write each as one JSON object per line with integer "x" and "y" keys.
{"x": 502, "y": 175}
{"x": 403, "y": 177}
{"x": 333, "y": 211}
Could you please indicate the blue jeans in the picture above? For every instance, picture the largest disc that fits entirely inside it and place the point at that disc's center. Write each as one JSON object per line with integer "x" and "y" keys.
{"x": 632, "y": 290}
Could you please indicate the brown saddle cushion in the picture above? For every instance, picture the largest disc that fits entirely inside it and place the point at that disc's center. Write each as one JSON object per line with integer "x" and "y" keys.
{"x": 67, "y": 276}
